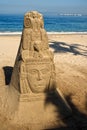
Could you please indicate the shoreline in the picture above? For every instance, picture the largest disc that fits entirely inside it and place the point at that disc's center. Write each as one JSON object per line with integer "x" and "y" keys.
{"x": 56, "y": 33}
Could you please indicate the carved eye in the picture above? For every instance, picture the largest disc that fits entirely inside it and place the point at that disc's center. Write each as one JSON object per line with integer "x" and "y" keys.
{"x": 33, "y": 71}
{"x": 44, "y": 71}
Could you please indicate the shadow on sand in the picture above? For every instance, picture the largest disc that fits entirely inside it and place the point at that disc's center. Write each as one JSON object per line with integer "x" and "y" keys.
{"x": 8, "y": 73}
{"x": 79, "y": 117}
{"x": 76, "y": 120}
{"x": 63, "y": 111}
{"x": 75, "y": 49}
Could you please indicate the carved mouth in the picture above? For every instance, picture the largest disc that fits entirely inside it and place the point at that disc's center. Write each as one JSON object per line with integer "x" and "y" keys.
{"x": 40, "y": 85}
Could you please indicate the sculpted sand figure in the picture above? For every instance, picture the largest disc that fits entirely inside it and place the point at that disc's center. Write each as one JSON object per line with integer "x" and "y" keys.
{"x": 34, "y": 80}
{"x": 34, "y": 62}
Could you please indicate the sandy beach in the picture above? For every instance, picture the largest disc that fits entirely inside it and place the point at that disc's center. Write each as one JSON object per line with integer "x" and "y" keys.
{"x": 70, "y": 53}
{"x": 70, "y": 56}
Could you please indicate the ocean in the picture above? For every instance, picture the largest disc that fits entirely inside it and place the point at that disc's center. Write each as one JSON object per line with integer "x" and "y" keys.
{"x": 13, "y": 24}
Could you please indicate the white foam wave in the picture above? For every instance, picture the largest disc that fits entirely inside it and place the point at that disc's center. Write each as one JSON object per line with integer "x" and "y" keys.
{"x": 10, "y": 33}
{"x": 66, "y": 32}
{"x": 19, "y": 33}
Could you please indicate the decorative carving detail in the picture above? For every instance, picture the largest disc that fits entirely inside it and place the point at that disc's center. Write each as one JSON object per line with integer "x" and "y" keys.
{"x": 34, "y": 63}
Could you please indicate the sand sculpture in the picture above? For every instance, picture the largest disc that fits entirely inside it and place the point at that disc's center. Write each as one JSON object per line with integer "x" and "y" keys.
{"x": 34, "y": 65}
{"x": 33, "y": 100}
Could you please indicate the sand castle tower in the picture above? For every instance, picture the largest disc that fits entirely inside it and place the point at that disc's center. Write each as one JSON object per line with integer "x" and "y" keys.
{"x": 40, "y": 104}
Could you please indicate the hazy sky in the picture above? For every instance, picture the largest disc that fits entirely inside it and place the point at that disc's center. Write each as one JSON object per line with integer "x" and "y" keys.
{"x": 59, "y": 6}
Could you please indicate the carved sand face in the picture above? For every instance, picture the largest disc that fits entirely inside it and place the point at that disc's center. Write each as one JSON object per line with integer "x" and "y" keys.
{"x": 39, "y": 77}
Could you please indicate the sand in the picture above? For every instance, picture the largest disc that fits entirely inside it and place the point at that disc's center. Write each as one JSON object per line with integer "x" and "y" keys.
{"x": 70, "y": 53}
{"x": 70, "y": 56}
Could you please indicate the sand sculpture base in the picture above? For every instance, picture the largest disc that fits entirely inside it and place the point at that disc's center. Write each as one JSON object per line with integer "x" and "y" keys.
{"x": 42, "y": 111}
{"x": 35, "y": 112}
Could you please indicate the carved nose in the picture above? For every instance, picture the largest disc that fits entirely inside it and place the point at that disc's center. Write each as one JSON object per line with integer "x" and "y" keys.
{"x": 39, "y": 75}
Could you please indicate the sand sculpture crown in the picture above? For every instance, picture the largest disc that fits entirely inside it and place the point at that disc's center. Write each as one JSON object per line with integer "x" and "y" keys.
{"x": 34, "y": 66}
{"x": 38, "y": 20}
{"x": 35, "y": 41}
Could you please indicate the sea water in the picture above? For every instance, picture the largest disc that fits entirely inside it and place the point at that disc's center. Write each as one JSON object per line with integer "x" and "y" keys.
{"x": 13, "y": 24}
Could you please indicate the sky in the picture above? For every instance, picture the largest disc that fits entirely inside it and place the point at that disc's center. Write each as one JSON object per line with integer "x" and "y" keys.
{"x": 50, "y": 6}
